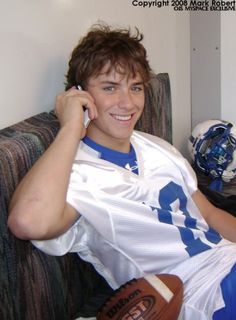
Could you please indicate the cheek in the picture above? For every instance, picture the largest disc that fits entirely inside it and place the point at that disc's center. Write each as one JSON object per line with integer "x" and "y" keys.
{"x": 140, "y": 103}
{"x": 139, "y": 99}
{"x": 105, "y": 103}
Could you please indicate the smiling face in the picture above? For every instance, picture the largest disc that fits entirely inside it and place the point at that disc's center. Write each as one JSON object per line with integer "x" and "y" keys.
{"x": 119, "y": 99}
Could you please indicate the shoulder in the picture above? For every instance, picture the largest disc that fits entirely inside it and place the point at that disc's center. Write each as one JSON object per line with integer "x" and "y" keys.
{"x": 154, "y": 141}
{"x": 152, "y": 144}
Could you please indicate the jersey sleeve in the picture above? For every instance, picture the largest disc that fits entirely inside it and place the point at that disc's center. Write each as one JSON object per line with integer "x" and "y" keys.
{"x": 176, "y": 157}
{"x": 62, "y": 244}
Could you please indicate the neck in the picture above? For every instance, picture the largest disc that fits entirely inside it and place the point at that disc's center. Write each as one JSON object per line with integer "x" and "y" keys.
{"x": 121, "y": 145}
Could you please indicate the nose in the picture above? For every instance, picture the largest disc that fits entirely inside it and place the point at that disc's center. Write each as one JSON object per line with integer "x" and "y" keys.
{"x": 125, "y": 100}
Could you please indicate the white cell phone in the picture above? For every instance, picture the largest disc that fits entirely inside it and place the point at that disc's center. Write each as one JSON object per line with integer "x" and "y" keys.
{"x": 86, "y": 117}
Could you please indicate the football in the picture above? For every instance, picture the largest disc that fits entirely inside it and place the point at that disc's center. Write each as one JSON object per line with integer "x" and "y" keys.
{"x": 153, "y": 297}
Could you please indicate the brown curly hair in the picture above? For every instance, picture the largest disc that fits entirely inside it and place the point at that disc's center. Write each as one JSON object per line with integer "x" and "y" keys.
{"x": 121, "y": 48}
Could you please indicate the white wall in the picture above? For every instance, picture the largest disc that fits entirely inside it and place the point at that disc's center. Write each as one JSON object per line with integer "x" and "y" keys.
{"x": 38, "y": 36}
{"x": 205, "y": 66}
{"x": 228, "y": 66}
{"x": 213, "y": 66}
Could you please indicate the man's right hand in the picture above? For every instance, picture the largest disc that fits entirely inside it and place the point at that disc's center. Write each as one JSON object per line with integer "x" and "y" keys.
{"x": 70, "y": 109}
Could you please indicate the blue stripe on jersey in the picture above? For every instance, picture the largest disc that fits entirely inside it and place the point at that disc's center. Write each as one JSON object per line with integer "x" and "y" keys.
{"x": 168, "y": 195}
{"x": 124, "y": 160}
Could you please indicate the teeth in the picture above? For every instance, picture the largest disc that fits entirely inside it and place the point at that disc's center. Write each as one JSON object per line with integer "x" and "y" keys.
{"x": 122, "y": 118}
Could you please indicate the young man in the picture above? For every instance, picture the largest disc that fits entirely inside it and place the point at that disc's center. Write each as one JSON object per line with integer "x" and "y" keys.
{"x": 126, "y": 201}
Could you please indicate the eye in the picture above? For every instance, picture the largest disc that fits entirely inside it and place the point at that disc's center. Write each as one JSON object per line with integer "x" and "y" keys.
{"x": 137, "y": 88}
{"x": 109, "y": 88}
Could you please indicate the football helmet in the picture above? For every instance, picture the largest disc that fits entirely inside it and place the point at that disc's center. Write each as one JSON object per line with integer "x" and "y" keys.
{"x": 212, "y": 148}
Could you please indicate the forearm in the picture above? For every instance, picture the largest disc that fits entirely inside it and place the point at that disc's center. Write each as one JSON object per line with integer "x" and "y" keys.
{"x": 37, "y": 207}
{"x": 218, "y": 219}
{"x": 224, "y": 223}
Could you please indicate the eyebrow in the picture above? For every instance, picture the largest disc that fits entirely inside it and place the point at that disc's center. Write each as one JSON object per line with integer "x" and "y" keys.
{"x": 117, "y": 83}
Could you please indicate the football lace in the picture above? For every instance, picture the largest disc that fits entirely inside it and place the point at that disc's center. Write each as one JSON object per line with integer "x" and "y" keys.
{"x": 114, "y": 294}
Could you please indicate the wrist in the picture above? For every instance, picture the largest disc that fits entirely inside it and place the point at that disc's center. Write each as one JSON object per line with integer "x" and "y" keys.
{"x": 74, "y": 130}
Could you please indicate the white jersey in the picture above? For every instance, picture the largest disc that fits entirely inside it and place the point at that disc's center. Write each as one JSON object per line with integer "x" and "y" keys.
{"x": 133, "y": 225}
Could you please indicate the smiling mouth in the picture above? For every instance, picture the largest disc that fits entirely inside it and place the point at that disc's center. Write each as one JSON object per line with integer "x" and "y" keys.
{"x": 122, "y": 117}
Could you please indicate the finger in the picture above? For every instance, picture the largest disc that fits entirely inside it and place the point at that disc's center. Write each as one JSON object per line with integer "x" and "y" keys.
{"x": 92, "y": 110}
{"x": 76, "y": 98}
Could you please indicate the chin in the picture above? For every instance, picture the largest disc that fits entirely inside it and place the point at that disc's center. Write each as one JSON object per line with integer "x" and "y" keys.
{"x": 124, "y": 136}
